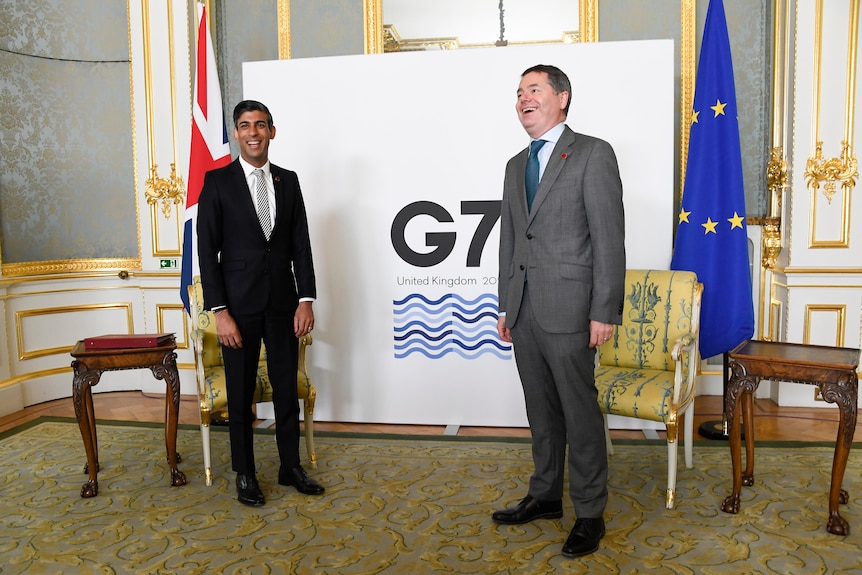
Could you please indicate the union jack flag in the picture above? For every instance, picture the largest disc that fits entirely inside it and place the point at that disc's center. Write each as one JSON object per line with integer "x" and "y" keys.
{"x": 209, "y": 146}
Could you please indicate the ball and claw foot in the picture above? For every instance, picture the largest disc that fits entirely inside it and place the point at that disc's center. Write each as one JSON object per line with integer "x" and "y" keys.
{"x": 731, "y": 504}
{"x": 748, "y": 480}
{"x": 843, "y": 497}
{"x": 90, "y": 489}
{"x": 177, "y": 478}
{"x": 837, "y": 525}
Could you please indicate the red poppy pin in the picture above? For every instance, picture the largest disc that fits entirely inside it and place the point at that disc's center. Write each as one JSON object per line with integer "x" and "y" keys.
{"x": 277, "y": 179}
{"x": 564, "y": 156}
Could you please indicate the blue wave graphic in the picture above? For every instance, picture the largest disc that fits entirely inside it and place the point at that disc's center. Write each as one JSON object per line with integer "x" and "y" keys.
{"x": 455, "y": 351}
{"x": 451, "y": 324}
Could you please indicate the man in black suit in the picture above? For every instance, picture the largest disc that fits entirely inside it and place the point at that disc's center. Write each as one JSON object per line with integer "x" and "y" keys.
{"x": 258, "y": 279}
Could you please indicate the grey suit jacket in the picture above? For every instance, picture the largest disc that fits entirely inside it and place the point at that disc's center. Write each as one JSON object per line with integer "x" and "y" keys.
{"x": 571, "y": 246}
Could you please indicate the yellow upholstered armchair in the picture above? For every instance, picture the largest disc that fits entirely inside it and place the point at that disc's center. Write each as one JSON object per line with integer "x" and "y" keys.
{"x": 209, "y": 370}
{"x": 647, "y": 369}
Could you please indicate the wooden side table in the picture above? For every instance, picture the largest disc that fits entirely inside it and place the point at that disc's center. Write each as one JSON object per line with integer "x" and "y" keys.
{"x": 89, "y": 365}
{"x": 832, "y": 369}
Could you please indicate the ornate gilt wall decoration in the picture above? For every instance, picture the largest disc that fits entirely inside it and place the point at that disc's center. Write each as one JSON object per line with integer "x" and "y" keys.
{"x": 776, "y": 181}
{"x": 831, "y": 171}
{"x": 771, "y": 241}
{"x": 167, "y": 192}
{"x": 392, "y": 42}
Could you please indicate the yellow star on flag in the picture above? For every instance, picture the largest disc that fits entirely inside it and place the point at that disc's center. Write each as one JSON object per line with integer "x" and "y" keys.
{"x": 709, "y": 226}
{"x": 735, "y": 221}
{"x": 683, "y": 216}
{"x": 718, "y": 108}
{"x": 694, "y": 115}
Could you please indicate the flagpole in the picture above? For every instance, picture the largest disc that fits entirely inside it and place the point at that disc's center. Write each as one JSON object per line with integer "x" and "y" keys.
{"x": 717, "y": 429}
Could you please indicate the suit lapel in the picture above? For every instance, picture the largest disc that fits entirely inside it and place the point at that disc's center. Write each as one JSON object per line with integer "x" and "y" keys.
{"x": 562, "y": 150}
{"x": 278, "y": 185}
{"x": 240, "y": 183}
{"x": 521, "y": 168}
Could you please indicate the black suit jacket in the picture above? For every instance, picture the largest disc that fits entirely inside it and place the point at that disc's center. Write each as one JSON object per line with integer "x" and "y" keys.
{"x": 240, "y": 269}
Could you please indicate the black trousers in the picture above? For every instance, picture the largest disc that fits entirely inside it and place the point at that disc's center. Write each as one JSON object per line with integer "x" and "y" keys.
{"x": 241, "y": 368}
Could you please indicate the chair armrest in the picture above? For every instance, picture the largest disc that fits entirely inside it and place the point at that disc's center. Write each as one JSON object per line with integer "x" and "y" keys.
{"x": 685, "y": 348}
{"x": 304, "y": 342}
{"x": 682, "y": 345}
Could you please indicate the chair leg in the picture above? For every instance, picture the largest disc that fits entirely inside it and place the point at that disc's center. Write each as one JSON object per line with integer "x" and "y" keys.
{"x": 688, "y": 430}
{"x": 309, "y": 431}
{"x": 608, "y": 435}
{"x": 205, "y": 439}
{"x": 671, "y": 472}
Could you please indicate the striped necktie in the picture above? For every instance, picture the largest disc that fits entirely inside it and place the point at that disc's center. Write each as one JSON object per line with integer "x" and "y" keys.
{"x": 263, "y": 204}
{"x": 531, "y": 176}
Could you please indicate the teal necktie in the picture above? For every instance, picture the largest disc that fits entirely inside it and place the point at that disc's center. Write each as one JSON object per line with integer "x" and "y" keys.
{"x": 531, "y": 176}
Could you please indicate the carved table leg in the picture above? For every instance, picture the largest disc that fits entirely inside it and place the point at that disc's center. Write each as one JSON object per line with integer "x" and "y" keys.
{"x": 732, "y": 409}
{"x": 748, "y": 423}
{"x": 168, "y": 372}
{"x": 82, "y": 399}
{"x": 845, "y": 395}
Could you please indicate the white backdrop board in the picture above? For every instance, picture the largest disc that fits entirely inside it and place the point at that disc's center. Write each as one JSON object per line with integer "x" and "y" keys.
{"x": 401, "y": 160}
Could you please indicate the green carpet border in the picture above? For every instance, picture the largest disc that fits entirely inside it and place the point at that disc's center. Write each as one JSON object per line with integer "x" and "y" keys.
{"x": 699, "y": 443}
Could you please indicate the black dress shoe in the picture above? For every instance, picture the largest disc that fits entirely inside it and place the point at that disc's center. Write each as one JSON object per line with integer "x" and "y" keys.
{"x": 248, "y": 491}
{"x": 584, "y": 538}
{"x": 528, "y": 509}
{"x": 297, "y": 477}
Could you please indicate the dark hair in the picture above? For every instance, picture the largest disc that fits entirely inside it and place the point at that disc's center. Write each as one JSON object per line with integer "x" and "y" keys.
{"x": 556, "y": 78}
{"x": 250, "y": 106}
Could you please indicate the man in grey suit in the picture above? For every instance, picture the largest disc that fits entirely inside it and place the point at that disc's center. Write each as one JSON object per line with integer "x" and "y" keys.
{"x": 561, "y": 288}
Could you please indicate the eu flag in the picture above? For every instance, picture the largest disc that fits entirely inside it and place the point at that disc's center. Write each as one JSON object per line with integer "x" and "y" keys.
{"x": 711, "y": 238}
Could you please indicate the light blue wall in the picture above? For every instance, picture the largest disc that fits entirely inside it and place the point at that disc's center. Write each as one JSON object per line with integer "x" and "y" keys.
{"x": 66, "y": 169}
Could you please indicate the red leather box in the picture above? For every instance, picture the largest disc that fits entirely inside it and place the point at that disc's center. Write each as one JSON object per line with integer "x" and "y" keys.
{"x": 124, "y": 340}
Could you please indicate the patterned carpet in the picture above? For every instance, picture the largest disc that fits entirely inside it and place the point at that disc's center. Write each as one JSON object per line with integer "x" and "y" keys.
{"x": 403, "y": 505}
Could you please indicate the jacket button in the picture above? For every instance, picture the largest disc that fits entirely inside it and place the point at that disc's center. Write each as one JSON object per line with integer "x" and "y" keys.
{"x": 529, "y": 236}
{"x": 521, "y": 266}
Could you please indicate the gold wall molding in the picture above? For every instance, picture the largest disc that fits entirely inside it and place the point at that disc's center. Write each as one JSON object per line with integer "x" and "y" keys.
{"x": 21, "y": 316}
{"x": 69, "y": 266}
{"x": 161, "y": 323}
{"x": 169, "y": 192}
{"x": 688, "y": 73}
{"x": 588, "y": 20}
{"x": 830, "y": 172}
{"x": 776, "y": 168}
{"x": 823, "y": 271}
{"x": 35, "y": 375}
{"x": 840, "y": 313}
{"x": 393, "y": 42}
{"x": 373, "y": 26}
{"x": 283, "y": 8}
{"x": 380, "y": 38}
